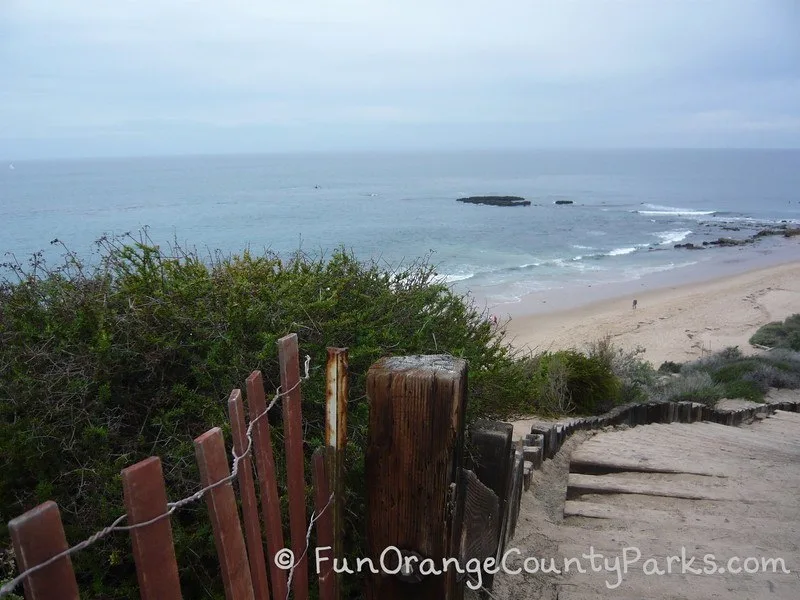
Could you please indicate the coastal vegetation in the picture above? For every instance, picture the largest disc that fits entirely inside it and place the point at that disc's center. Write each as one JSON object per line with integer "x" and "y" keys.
{"x": 133, "y": 355}
{"x": 779, "y": 334}
{"x": 730, "y": 374}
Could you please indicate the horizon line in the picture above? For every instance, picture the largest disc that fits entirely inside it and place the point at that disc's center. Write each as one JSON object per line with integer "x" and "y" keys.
{"x": 399, "y": 151}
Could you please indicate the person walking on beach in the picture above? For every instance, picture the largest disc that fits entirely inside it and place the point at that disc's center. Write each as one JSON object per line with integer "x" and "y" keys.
{"x": 634, "y": 303}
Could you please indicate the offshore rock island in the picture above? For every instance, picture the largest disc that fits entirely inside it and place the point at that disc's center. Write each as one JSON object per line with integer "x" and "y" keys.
{"x": 496, "y": 200}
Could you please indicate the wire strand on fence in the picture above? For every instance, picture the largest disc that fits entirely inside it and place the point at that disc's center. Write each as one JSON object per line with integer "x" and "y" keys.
{"x": 314, "y": 517}
{"x": 10, "y": 586}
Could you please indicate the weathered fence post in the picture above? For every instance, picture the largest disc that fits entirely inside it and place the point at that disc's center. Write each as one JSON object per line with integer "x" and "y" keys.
{"x": 247, "y": 492}
{"x": 38, "y": 535}
{"x": 212, "y": 461}
{"x": 336, "y": 392}
{"x": 295, "y": 460}
{"x": 491, "y": 449}
{"x": 413, "y": 466}
{"x": 267, "y": 481}
{"x": 324, "y": 523}
{"x": 153, "y": 550}
{"x": 514, "y": 497}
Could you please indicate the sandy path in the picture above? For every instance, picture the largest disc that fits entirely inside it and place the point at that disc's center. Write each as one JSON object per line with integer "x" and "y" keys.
{"x": 745, "y": 506}
{"x": 678, "y": 323}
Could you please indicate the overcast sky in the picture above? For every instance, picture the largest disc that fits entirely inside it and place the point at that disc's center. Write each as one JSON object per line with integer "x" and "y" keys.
{"x": 116, "y": 77}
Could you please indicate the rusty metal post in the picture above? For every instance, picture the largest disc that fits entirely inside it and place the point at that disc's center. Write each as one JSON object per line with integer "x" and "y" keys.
{"x": 336, "y": 392}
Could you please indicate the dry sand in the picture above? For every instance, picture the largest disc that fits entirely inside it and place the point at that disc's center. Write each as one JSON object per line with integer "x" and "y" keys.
{"x": 734, "y": 493}
{"x": 677, "y": 323}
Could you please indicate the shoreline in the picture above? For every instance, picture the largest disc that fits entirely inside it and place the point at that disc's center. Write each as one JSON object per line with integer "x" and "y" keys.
{"x": 676, "y": 321}
{"x": 725, "y": 262}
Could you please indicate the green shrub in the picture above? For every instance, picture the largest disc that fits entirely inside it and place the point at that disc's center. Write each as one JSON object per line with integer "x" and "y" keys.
{"x": 552, "y": 385}
{"x": 747, "y": 390}
{"x": 692, "y": 387}
{"x": 587, "y": 384}
{"x": 749, "y": 377}
{"x": 735, "y": 370}
{"x": 669, "y": 366}
{"x": 105, "y": 365}
{"x": 778, "y": 334}
{"x": 766, "y": 376}
{"x": 636, "y": 376}
{"x": 793, "y": 340}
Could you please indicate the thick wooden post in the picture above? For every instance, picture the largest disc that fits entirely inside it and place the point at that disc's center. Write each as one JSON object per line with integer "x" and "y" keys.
{"x": 38, "y": 535}
{"x": 153, "y": 550}
{"x": 413, "y": 464}
{"x": 336, "y": 392}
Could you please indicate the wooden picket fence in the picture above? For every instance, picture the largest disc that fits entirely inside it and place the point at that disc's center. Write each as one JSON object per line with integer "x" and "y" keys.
{"x": 38, "y": 535}
{"x": 424, "y": 497}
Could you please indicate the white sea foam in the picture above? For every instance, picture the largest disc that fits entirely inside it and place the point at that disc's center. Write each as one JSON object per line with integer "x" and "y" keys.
{"x": 639, "y": 272}
{"x": 622, "y": 251}
{"x": 673, "y": 237}
{"x": 655, "y": 210}
{"x": 452, "y": 278}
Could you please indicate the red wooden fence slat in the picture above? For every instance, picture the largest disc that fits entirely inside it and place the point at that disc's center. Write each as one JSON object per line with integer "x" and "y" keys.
{"x": 38, "y": 535}
{"x": 324, "y": 525}
{"x": 267, "y": 482}
{"x": 153, "y": 550}
{"x": 247, "y": 492}
{"x": 212, "y": 460}
{"x": 293, "y": 438}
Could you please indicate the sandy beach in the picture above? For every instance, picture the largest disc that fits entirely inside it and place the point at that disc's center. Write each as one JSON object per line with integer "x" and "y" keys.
{"x": 677, "y": 322}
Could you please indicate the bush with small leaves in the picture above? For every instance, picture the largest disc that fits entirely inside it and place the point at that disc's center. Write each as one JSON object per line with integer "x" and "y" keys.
{"x": 134, "y": 356}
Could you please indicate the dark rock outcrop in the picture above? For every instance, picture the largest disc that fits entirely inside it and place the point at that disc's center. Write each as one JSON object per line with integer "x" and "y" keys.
{"x": 496, "y": 200}
{"x": 564, "y": 202}
{"x": 731, "y": 242}
{"x": 782, "y": 230}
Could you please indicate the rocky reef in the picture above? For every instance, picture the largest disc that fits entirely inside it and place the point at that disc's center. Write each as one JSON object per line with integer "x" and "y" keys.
{"x": 783, "y": 230}
{"x": 496, "y": 200}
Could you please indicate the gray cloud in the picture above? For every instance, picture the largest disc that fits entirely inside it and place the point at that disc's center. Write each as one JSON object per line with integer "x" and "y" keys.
{"x": 169, "y": 76}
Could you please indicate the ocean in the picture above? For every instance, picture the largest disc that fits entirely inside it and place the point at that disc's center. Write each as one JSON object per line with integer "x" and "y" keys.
{"x": 629, "y": 209}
